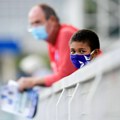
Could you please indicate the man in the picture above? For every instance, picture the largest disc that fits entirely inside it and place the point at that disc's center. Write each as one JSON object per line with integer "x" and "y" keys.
{"x": 45, "y": 26}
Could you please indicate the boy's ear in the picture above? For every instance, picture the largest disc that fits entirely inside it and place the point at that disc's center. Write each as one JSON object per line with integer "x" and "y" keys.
{"x": 95, "y": 53}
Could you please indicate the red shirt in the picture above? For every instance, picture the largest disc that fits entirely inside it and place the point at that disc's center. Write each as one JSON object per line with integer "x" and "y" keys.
{"x": 60, "y": 55}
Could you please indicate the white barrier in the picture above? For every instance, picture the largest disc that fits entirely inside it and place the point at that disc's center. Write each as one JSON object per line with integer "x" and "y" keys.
{"x": 91, "y": 93}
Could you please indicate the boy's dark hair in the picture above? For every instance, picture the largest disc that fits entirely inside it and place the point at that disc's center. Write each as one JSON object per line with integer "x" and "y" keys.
{"x": 86, "y": 36}
{"x": 49, "y": 11}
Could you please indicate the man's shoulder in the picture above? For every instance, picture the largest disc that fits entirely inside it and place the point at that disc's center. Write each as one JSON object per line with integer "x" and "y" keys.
{"x": 65, "y": 28}
{"x": 66, "y": 31}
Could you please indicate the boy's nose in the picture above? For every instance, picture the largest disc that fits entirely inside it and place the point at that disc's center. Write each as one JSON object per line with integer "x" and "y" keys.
{"x": 77, "y": 53}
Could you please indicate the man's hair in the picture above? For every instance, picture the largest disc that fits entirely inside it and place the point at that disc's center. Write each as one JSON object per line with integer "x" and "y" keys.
{"x": 49, "y": 11}
{"x": 86, "y": 36}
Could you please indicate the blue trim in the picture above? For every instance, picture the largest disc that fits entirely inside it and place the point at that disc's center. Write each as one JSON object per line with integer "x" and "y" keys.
{"x": 9, "y": 45}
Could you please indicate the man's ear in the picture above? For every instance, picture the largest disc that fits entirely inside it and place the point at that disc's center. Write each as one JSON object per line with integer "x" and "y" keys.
{"x": 52, "y": 18}
{"x": 51, "y": 22}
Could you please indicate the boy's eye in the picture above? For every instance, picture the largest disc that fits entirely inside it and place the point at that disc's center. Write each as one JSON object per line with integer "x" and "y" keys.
{"x": 82, "y": 51}
{"x": 72, "y": 51}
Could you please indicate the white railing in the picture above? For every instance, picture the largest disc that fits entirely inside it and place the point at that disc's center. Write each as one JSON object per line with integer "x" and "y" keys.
{"x": 91, "y": 93}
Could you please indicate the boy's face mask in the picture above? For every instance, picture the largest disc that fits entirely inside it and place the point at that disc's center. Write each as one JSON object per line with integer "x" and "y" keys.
{"x": 39, "y": 33}
{"x": 80, "y": 60}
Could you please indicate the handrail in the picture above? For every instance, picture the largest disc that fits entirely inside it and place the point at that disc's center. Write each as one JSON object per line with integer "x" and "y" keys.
{"x": 103, "y": 62}
{"x": 90, "y": 93}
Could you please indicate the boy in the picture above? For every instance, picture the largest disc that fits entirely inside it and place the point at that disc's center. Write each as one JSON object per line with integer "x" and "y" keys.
{"x": 84, "y": 47}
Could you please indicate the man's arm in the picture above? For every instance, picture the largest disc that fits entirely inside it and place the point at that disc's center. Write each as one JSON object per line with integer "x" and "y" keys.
{"x": 29, "y": 82}
{"x": 65, "y": 65}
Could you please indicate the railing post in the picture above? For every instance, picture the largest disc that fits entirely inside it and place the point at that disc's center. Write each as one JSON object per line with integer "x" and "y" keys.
{"x": 70, "y": 101}
{"x": 91, "y": 94}
{"x": 60, "y": 97}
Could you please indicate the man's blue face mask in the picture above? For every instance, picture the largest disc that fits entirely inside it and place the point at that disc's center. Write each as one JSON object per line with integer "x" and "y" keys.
{"x": 80, "y": 60}
{"x": 39, "y": 33}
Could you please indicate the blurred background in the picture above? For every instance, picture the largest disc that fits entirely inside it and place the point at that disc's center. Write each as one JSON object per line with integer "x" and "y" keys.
{"x": 102, "y": 16}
